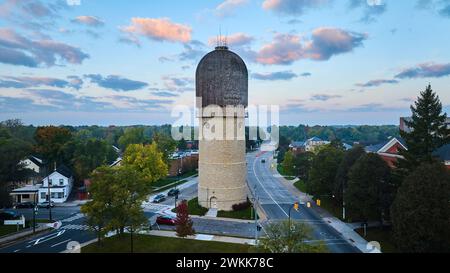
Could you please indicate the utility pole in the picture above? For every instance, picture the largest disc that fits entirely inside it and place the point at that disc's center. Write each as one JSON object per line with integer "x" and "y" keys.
{"x": 34, "y": 214}
{"x": 49, "y": 196}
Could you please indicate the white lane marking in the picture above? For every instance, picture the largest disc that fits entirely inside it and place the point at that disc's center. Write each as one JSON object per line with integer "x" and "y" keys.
{"x": 264, "y": 188}
{"x": 63, "y": 242}
{"x": 46, "y": 238}
{"x": 15, "y": 251}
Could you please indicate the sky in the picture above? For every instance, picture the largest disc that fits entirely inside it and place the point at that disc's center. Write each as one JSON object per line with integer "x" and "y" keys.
{"x": 323, "y": 62}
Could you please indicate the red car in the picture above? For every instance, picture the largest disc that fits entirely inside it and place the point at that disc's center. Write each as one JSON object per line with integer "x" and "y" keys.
{"x": 165, "y": 220}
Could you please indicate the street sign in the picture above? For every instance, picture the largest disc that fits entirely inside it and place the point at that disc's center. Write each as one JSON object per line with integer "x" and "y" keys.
{"x": 55, "y": 225}
{"x": 19, "y": 222}
{"x": 318, "y": 202}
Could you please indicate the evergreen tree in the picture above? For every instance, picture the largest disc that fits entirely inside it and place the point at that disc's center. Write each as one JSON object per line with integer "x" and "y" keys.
{"x": 428, "y": 130}
{"x": 183, "y": 221}
{"x": 421, "y": 211}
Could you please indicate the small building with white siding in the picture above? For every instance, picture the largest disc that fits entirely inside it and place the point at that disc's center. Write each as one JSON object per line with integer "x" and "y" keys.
{"x": 60, "y": 182}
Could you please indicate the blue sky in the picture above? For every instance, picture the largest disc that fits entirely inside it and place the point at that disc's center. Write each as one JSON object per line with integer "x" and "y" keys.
{"x": 324, "y": 62}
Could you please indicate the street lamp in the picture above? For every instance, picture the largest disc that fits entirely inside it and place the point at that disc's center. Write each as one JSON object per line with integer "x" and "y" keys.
{"x": 296, "y": 207}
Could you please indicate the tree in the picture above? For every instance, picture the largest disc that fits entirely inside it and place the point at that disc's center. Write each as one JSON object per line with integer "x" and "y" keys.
{"x": 117, "y": 196}
{"x": 428, "y": 130}
{"x": 349, "y": 159}
{"x": 183, "y": 222}
{"x": 132, "y": 136}
{"x": 147, "y": 160}
{"x": 303, "y": 164}
{"x": 50, "y": 142}
{"x": 289, "y": 163}
{"x": 368, "y": 188}
{"x": 323, "y": 170}
{"x": 280, "y": 239}
{"x": 89, "y": 154}
{"x": 421, "y": 211}
{"x": 166, "y": 145}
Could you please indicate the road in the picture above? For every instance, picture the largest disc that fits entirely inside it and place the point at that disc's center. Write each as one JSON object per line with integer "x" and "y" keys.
{"x": 275, "y": 200}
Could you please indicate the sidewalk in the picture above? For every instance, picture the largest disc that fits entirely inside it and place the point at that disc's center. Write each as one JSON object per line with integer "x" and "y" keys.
{"x": 346, "y": 230}
{"x": 22, "y": 234}
{"x": 201, "y": 237}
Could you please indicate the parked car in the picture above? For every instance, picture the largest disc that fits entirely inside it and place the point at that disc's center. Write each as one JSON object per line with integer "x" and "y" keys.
{"x": 165, "y": 220}
{"x": 24, "y": 205}
{"x": 173, "y": 192}
{"x": 46, "y": 205}
{"x": 159, "y": 198}
{"x": 8, "y": 215}
{"x": 263, "y": 161}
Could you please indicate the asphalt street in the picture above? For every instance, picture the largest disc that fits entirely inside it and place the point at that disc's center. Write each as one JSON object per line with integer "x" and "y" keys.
{"x": 276, "y": 201}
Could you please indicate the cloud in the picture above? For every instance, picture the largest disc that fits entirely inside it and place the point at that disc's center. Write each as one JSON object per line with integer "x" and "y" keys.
{"x": 18, "y": 50}
{"x": 441, "y": 6}
{"x": 161, "y": 29}
{"x": 293, "y": 7}
{"x": 29, "y": 82}
{"x": 327, "y": 42}
{"x": 193, "y": 51}
{"x": 234, "y": 40}
{"x": 275, "y": 76}
{"x": 165, "y": 94}
{"x": 324, "y": 97}
{"x": 375, "y": 83}
{"x": 425, "y": 70}
{"x": 178, "y": 84}
{"x": 324, "y": 43}
{"x": 284, "y": 49}
{"x": 227, "y": 7}
{"x": 90, "y": 21}
{"x": 33, "y": 15}
{"x": 371, "y": 9}
{"x": 116, "y": 83}
{"x": 131, "y": 40}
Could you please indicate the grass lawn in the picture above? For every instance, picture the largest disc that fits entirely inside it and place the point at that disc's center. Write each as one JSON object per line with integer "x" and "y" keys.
{"x": 283, "y": 173}
{"x": 329, "y": 204}
{"x": 155, "y": 244}
{"x": 246, "y": 214}
{"x": 194, "y": 208}
{"x": 6, "y": 230}
{"x": 301, "y": 186}
{"x": 169, "y": 180}
{"x": 381, "y": 235}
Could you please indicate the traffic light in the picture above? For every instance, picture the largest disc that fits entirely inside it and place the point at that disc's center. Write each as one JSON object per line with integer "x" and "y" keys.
{"x": 296, "y": 206}
{"x": 318, "y": 202}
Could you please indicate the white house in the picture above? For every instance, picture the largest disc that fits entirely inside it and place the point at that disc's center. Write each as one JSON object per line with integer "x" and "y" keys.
{"x": 32, "y": 163}
{"x": 313, "y": 143}
{"x": 61, "y": 183}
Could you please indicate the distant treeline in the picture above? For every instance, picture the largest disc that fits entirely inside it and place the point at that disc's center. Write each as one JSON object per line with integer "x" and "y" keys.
{"x": 365, "y": 135}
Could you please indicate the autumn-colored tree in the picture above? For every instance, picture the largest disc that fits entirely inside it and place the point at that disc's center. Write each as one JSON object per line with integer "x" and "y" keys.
{"x": 50, "y": 142}
{"x": 183, "y": 221}
{"x": 147, "y": 160}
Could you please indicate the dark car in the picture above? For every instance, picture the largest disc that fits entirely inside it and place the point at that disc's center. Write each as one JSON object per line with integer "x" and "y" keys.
{"x": 46, "y": 205}
{"x": 263, "y": 161}
{"x": 165, "y": 220}
{"x": 8, "y": 215}
{"x": 173, "y": 192}
{"x": 25, "y": 205}
{"x": 159, "y": 198}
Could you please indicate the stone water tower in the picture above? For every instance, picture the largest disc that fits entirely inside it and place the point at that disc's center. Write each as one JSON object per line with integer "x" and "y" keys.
{"x": 222, "y": 97}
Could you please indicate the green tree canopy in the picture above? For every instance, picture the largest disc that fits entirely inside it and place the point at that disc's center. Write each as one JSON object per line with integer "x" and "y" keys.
{"x": 50, "y": 142}
{"x": 133, "y": 135}
{"x": 421, "y": 211}
{"x": 289, "y": 163}
{"x": 147, "y": 160}
{"x": 349, "y": 159}
{"x": 284, "y": 238}
{"x": 323, "y": 170}
{"x": 369, "y": 182}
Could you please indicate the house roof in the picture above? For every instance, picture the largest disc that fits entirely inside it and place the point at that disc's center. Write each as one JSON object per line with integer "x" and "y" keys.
{"x": 315, "y": 139}
{"x": 36, "y": 160}
{"x": 297, "y": 144}
{"x": 384, "y": 145}
{"x": 443, "y": 153}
